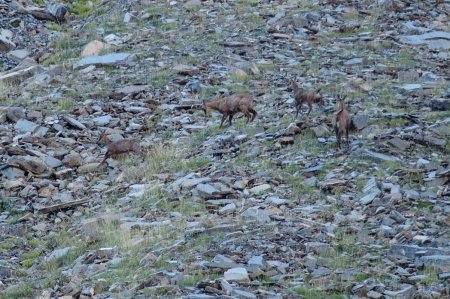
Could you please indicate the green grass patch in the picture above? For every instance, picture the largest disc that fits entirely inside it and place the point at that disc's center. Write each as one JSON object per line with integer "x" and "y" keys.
{"x": 64, "y": 105}
{"x": 83, "y": 8}
{"x": 19, "y": 292}
{"x": 32, "y": 254}
{"x": 161, "y": 78}
{"x": 27, "y": 263}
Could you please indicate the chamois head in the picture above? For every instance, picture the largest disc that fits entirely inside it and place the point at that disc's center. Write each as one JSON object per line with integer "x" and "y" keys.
{"x": 294, "y": 85}
{"x": 341, "y": 99}
{"x": 103, "y": 138}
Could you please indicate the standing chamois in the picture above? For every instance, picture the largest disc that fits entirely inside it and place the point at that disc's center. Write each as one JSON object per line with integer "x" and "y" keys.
{"x": 341, "y": 121}
{"x": 302, "y": 96}
{"x": 119, "y": 147}
{"x": 231, "y": 105}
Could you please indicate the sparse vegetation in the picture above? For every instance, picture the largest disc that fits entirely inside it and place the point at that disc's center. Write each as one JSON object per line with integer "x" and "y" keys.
{"x": 155, "y": 223}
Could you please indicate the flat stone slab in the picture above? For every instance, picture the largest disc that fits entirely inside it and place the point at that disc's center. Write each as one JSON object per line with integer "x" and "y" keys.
{"x": 104, "y": 60}
{"x": 434, "y": 39}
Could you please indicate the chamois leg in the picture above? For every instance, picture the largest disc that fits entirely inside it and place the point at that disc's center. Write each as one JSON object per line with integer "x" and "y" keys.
{"x": 338, "y": 138}
{"x": 107, "y": 155}
{"x": 299, "y": 106}
{"x": 230, "y": 117}
{"x": 248, "y": 115}
{"x": 346, "y": 137}
{"x": 253, "y": 111}
{"x": 223, "y": 119}
{"x": 309, "y": 109}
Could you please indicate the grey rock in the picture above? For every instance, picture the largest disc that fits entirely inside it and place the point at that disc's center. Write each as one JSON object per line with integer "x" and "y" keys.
{"x": 19, "y": 75}
{"x": 105, "y": 60}
{"x": 229, "y": 208}
{"x": 321, "y": 271}
{"x": 281, "y": 14}
{"x": 399, "y": 143}
{"x": 237, "y": 274}
{"x": 29, "y": 163}
{"x": 73, "y": 122}
{"x": 370, "y": 185}
{"x": 72, "y": 160}
{"x": 440, "y": 261}
{"x": 440, "y": 104}
{"x": 5, "y": 271}
{"x": 411, "y": 86}
{"x": 190, "y": 183}
{"x": 397, "y": 216}
{"x": 354, "y": 61}
{"x": 321, "y": 131}
{"x": 412, "y": 251}
{"x": 256, "y": 260}
{"x": 434, "y": 39}
{"x": 14, "y": 114}
{"x": 388, "y": 231}
{"x": 318, "y": 247}
{"x": 256, "y": 214}
{"x": 5, "y": 44}
{"x": 367, "y": 199}
{"x": 242, "y": 294}
{"x": 260, "y": 188}
{"x": 20, "y": 54}
{"x": 129, "y": 17}
{"x": 137, "y": 109}
{"x": 11, "y": 172}
{"x": 221, "y": 261}
{"x": 52, "y": 162}
{"x": 206, "y": 190}
{"x": 58, "y": 10}
{"x": 102, "y": 120}
{"x": 24, "y": 126}
{"x": 277, "y": 201}
{"x": 360, "y": 121}
{"x": 293, "y": 129}
{"x": 58, "y": 253}
{"x": 412, "y": 194}
{"x": 406, "y": 292}
{"x": 376, "y": 156}
{"x": 312, "y": 181}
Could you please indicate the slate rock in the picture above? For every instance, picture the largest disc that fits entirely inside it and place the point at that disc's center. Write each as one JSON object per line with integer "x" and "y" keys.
{"x": 105, "y": 60}
{"x": 5, "y": 44}
{"x": 440, "y": 104}
{"x": 237, "y": 274}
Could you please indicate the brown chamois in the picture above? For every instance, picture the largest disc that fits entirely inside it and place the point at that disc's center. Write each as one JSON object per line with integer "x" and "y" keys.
{"x": 341, "y": 122}
{"x": 302, "y": 96}
{"x": 119, "y": 147}
{"x": 231, "y": 105}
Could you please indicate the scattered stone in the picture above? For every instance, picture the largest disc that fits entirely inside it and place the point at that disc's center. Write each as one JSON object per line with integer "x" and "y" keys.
{"x": 433, "y": 39}
{"x": 5, "y": 44}
{"x": 104, "y": 60}
{"x": 94, "y": 47}
{"x": 236, "y": 274}
{"x": 260, "y": 189}
{"x": 58, "y": 253}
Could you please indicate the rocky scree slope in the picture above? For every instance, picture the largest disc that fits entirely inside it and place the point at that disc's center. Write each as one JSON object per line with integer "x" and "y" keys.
{"x": 261, "y": 210}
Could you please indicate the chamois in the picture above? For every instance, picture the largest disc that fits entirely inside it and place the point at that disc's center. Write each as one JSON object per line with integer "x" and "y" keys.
{"x": 302, "y": 96}
{"x": 341, "y": 122}
{"x": 231, "y": 105}
{"x": 119, "y": 147}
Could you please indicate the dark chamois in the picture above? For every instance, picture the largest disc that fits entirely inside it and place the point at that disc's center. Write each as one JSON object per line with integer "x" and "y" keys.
{"x": 302, "y": 96}
{"x": 231, "y": 105}
{"x": 341, "y": 122}
{"x": 119, "y": 147}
